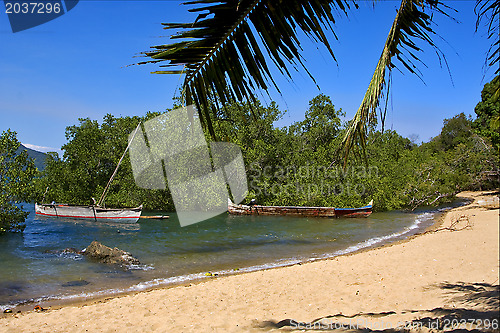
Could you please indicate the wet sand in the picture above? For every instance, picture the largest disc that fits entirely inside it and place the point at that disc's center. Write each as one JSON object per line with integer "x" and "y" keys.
{"x": 443, "y": 277}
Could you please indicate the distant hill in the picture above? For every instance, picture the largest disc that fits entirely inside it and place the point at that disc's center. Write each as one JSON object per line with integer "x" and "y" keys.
{"x": 37, "y": 155}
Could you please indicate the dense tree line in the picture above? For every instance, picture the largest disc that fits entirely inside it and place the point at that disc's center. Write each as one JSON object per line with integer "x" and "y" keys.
{"x": 301, "y": 164}
{"x": 295, "y": 165}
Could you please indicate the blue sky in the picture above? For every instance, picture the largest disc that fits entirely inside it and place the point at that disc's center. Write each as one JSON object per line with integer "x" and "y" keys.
{"x": 76, "y": 66}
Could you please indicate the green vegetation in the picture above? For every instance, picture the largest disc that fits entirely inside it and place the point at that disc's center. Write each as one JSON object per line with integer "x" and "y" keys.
{"x": 89, "y": 159}
{"x": 294, "y": 165}
{"x": 487, "y": 123}
{"x": 17, "y": 171}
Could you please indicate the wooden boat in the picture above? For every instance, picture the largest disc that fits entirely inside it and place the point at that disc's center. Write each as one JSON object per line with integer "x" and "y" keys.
{"x": 299, "y": 211}
{"x": 126, "y": 215}
{"x": 93, "y": 212}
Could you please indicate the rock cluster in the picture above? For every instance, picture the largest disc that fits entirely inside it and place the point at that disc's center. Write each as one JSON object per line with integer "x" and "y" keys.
{"x": 107, "y": 255}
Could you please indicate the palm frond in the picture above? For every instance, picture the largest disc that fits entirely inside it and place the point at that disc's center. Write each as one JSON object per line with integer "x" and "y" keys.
{"x": 489, "y": 11}
{"x": 413, "y": 24}
{"x": 220, "y": 54}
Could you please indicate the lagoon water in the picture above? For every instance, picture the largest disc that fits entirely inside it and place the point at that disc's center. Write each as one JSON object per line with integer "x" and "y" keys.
{"x": 34, "y": 270}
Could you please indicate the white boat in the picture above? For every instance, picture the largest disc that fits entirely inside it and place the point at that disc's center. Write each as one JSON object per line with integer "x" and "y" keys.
{"x": 96, "y": 212}
{"x": 125, "y": 215}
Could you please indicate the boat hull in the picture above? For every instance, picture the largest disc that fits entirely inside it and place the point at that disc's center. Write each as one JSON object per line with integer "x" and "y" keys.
{"x": 127, "y": 215}
{"x": 299, "y": 211}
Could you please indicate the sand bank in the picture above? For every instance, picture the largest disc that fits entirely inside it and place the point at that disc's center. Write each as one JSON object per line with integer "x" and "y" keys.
{"x": 440, "y": 278}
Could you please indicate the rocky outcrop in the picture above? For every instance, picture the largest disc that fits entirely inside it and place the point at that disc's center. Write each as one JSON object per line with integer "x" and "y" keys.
{"x": 107, "y": 255}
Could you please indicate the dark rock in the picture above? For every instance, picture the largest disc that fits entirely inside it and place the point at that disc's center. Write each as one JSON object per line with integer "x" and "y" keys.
{"x": 107, "y": 255}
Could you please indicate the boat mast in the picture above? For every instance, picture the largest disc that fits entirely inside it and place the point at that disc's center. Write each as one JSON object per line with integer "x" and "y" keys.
{"x": 101, "y": 199}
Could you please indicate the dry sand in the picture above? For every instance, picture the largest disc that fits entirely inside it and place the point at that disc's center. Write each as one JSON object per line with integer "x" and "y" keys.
{"x": 440, "y": 277}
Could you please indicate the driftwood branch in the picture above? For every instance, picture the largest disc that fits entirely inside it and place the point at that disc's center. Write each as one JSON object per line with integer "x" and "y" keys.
{"x": 454, "y": 226}
{"x": 415, "y": 202}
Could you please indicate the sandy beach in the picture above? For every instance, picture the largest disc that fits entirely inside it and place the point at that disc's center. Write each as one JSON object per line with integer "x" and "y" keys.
{"x": 446, "y": 277}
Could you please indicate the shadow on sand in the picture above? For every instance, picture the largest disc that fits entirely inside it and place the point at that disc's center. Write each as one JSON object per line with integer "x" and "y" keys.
{"x": 474, "y": 308}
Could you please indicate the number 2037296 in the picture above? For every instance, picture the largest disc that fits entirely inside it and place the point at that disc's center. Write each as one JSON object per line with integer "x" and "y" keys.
{"x": 32, "y": 7}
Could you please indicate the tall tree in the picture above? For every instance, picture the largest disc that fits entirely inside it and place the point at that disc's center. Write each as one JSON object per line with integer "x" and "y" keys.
{"x": 455, "y": 130}
{"x": 487, "y": 110}
{"x": 17, "y": 171}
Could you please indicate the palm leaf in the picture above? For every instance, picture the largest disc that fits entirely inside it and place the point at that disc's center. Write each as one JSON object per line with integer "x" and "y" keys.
{"x": 489, "y": 11}
{"x": 413, "y": 23}
{"x": 220, "y": 53}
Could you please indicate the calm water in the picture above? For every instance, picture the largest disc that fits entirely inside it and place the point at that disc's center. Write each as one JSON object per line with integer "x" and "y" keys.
{"x": 33, "y": 271}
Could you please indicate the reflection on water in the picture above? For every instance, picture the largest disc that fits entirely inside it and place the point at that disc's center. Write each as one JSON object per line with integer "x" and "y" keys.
{"x": 90, "y": 223}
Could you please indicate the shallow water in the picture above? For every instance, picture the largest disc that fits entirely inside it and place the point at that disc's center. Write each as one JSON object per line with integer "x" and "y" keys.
{"x": 33, "y": 269}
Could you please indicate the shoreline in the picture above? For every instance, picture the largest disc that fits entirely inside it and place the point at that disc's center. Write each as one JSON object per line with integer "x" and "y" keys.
{"x": 275, "y": 277}
{"x": 85, "y": 298}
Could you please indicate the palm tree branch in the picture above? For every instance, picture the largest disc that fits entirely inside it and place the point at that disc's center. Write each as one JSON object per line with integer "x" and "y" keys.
{"x": 411, "y": 24}
{"x": 489, "y": 11}
{"x": 220, "y": 49}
